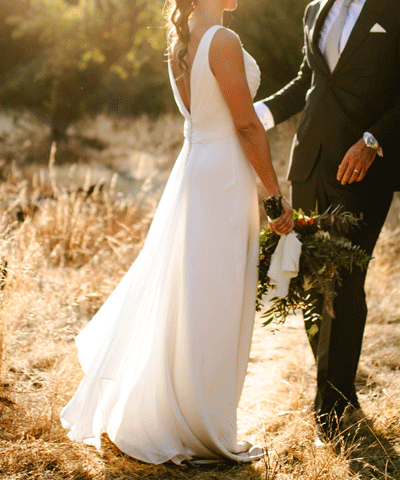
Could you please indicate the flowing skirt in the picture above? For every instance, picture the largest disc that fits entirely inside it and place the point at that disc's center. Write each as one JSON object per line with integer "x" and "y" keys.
{"x": 166, "y": 355}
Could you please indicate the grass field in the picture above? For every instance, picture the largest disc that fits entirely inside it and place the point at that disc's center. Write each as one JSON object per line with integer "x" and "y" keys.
{"x": 67, "y": 236}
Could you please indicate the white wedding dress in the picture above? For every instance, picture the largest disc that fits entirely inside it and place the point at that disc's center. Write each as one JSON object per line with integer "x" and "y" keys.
{"x": 166, "y": 355}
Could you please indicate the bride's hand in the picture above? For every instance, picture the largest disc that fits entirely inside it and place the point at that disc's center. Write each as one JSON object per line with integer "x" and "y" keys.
{"x": 285, "y": 223}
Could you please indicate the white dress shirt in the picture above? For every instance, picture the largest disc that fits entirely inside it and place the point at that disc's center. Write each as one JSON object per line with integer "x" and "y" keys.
{"x": 263, "y": 112}
{"x": 352, "y": 16}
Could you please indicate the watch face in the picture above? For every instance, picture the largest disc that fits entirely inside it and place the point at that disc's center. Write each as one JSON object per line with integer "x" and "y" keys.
{"x": 370, "y": 141}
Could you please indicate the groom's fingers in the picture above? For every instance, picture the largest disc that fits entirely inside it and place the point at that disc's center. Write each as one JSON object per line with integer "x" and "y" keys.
{"x": 348, "y": 171}
{"x": 361, "y": 175}
{"x": 342, "y": 170}
{"x": 356, "y": 174}
{"x": 355, "y": 163}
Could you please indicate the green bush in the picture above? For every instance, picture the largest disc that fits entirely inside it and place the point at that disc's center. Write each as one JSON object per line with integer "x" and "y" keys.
{"x": 271, "y": 31}
{"x": 69, "y": 57}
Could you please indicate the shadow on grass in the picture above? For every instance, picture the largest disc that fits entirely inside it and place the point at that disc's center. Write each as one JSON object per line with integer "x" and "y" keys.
{"x": 370, "y": 454}
{"x": 118, "y": 465}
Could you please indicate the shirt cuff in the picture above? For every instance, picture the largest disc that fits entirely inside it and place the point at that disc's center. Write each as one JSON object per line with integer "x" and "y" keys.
{"x": 265, "y": 115}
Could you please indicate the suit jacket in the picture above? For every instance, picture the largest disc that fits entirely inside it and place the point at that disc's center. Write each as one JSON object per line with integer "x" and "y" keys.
{"x": 361, "y": 94}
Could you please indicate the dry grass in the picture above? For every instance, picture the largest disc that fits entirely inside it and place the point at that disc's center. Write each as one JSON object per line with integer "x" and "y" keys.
{"x": 62, "y": 251}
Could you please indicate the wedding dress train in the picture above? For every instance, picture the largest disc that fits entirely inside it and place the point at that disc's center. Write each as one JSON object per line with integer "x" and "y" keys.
{"x": 166, "y": 355}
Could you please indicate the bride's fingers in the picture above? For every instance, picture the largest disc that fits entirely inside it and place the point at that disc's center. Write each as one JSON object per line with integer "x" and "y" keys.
{"x": 285, "y": 217}
{"x": 284, "y": 225}
{"x": 276, "y": 226}
{"x": 288, "y": 216}
{"x": 287, "y": 228}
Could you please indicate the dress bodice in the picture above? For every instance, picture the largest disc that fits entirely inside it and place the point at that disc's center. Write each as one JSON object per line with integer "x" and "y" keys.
{"x": 209, "y": 118}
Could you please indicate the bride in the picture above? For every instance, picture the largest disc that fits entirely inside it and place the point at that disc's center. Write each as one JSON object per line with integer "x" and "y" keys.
{"x": 165, "y": 357}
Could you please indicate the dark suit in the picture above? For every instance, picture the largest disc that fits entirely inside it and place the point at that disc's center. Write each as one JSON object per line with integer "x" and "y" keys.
{"x": 361, "y": 94}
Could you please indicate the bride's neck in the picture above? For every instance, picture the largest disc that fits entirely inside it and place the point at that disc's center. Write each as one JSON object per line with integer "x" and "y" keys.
{"x": 207, "y": 13}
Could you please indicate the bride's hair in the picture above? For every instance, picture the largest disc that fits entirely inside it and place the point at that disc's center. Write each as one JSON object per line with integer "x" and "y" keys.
{"x": 179, "y": 13}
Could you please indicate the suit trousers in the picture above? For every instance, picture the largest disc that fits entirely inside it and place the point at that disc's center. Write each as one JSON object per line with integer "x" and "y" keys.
{"x": 337, "y": 345}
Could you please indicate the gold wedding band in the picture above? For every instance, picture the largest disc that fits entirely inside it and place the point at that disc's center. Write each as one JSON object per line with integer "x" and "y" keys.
{"x": 356, "y": 170}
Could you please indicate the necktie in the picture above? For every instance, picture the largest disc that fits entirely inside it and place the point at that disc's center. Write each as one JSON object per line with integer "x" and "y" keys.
{"x": 332, "y": 53}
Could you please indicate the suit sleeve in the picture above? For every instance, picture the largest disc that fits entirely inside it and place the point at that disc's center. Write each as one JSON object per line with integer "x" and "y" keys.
{"x": 388, "y": 126}
{"x": 291, "y": 99}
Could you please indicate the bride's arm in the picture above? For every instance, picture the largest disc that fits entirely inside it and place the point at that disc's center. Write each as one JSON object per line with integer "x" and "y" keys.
{"x": 227, "y": 64}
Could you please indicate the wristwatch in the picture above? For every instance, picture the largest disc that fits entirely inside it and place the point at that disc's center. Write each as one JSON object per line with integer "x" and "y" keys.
{"x": 370, "y": 141}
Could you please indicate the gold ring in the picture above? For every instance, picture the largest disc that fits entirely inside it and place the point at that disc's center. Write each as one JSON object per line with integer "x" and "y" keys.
{"x": 356, "y": 170}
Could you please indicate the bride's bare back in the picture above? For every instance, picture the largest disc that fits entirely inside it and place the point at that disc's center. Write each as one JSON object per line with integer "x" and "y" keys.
{"x": 182, "y": 77}
{"x": 226, "y": 62}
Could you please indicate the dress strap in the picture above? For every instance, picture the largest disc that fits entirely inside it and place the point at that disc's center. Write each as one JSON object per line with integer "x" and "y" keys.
{"x": 204, "y": 47}
{"x": 201, "y": 53}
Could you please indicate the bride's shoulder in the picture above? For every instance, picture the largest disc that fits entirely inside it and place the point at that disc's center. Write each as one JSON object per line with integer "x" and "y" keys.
{"x": 225, "y": 43}
{"x": 225, "y": 37}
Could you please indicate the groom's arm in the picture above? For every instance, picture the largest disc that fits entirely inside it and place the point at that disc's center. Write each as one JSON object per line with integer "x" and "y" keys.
{"x": 388, "y": 125}
{"x": 290, "y": 99}
{"x": 359, "y": 158}
{"x": 287, "y": 102}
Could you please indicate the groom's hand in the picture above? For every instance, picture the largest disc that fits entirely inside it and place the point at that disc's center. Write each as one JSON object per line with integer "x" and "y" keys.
{"x": 355, "y": 164}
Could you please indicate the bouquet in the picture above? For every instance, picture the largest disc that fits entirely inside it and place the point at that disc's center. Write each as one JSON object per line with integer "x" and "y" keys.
{"x": 324, "y": 255}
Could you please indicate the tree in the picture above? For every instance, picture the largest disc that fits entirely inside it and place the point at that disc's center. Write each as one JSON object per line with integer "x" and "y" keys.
{"x": 273, "y": 33}
{"x": 74, "y": 56}
{"x": 84, "y": 43}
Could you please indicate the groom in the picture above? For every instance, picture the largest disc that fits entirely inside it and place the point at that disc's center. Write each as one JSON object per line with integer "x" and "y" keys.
{"x": 346, "y": 152}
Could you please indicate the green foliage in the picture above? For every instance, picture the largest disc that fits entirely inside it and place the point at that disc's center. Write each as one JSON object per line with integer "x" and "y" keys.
{"x": 272, "y": 31}
{"x": 86, "y": 46}
{"x": 112, "y": 32}
{"x": 74, "y": 56}
{"x": 325, "y": 254}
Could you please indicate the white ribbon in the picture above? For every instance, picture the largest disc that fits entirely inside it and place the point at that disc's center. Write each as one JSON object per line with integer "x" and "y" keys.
{"x": 285, "y": 263}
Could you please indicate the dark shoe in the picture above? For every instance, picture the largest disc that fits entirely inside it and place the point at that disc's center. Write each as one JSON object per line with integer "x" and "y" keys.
{"x": 352, "y": 415}
{"x": 394, "y": 465}
{"x": 354, "y": 404}
{"x": 326, "y": 430}
{"x": 319, "y": 442}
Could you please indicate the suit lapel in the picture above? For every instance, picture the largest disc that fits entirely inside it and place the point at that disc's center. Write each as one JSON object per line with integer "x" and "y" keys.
{"x": 368, "y": 17}
{"x": 325, "y": 6}
{"x": 324, "y": 9}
